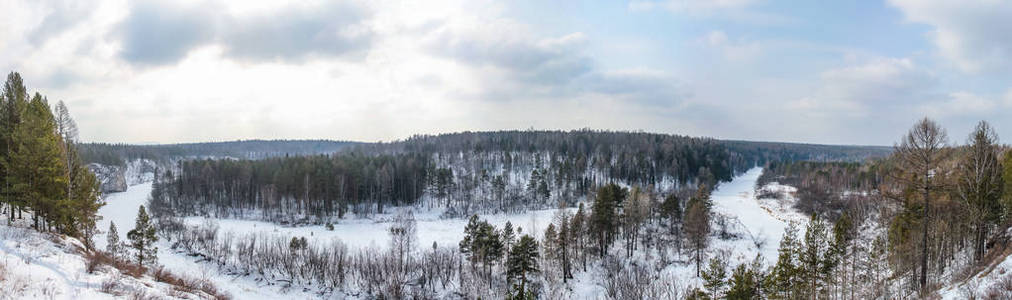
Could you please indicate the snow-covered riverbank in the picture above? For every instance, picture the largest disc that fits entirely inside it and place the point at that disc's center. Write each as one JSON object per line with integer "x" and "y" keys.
{"x": 736, "y": 201}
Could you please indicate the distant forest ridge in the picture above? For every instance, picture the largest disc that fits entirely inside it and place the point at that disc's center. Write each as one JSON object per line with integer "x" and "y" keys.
{"x": 558, "y": 141}
{"x": 119, "y": 154}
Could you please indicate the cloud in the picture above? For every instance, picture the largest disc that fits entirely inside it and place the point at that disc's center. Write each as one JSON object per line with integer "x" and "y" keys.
{"x": 693, "y": 7}
{"x": 874, "y": 88}
{"x": 156, "y": 33}
{"x": 642, "y": 86}
{"x": 742, "y": 11}
{"x": 61, "y": 16}
{"x": 516, "y": 64}
{"x": 973, "y": 35}
{"x": 733, "y": 50}
{"x": 333, "y": 29}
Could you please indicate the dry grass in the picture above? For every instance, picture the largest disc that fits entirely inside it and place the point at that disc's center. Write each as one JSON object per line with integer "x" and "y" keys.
{"x": 189, "y": 285}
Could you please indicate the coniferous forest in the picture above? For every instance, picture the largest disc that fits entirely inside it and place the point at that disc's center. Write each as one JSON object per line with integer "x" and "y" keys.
{"x": 41, "y": 171}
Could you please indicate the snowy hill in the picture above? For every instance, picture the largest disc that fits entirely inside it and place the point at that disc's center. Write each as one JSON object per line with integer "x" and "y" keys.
{"x": 36, "y": 265}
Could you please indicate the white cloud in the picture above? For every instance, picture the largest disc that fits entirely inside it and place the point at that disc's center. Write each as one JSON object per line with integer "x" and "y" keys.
{"x": 733, "y": 50}
{"x": 972, "y": 34}
{"x": 425, "y": 68}
{"x": 694, "y": 7}
{"x": 870, "y": 88}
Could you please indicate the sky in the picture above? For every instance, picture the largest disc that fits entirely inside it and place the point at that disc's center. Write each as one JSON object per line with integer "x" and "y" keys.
{"x": 833, "y": 72}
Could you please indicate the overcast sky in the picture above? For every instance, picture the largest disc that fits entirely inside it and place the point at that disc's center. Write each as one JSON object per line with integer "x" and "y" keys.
{"x": 838, "y": 72}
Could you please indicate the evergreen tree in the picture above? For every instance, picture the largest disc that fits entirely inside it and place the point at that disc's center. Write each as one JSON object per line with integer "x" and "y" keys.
{"x": 813, "y": 257}
{"x": 745, "y": 282}
{"x": 782, "y": 281}
{"x": 671, "y": 209}
{"x": 551, "y": 241}
{"x": 715, "y": 277}
{"x": 113, "y": 246}
{"x": 603, "y": 218}
{"x": 15, "y": 99}
{"x": 508, "y": 235}
{"x": 482, "y": 243}
{"x": 142, "y": 239}
{"x": 522, "y": 263}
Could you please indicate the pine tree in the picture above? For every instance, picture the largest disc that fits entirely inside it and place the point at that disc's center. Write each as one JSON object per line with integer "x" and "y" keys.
{"x": 522, "y": 263}
{"x": 745, "y": 282}
{"x": 15, "y": 99}
{"x": 813, "y": 256}
{"x": 142, "y": 239}
{"x": 671, "y": 208}
{"x": 113, "y": 245}
{"x": 715, "y": 277}
{"x": 782, "y": 281}
{"x": 508, "y": 235}
{"x": 468, "y": 246}
{"x": 38, "y": 167}
{"x": 603, "y": 219}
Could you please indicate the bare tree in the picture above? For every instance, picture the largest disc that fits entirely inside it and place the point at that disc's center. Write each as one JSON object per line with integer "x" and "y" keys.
{"x": 980, "y": 183}
{"x": 919, "y": 154}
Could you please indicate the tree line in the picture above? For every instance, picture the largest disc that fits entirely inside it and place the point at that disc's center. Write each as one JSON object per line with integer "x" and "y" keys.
{"x": 465, "y": 173}
{"x": 41, "y": 171}
{"x": 290, "y": 188}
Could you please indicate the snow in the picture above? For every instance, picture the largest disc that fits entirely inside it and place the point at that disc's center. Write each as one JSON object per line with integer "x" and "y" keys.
{"x": 764, "y": 219}
{"x": 979, "y": 283}
{"x": 362, "y": 233}
{"x": 758, "y": 219}
{"x": 121, "y": 208}
{"x": 35, "y": 265}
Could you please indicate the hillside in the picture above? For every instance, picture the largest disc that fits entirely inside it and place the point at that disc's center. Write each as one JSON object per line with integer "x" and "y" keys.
{"x": 36, "y": 265}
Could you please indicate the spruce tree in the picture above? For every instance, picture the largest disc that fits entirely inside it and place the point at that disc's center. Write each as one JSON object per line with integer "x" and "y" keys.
{"x": 142, "y": 239}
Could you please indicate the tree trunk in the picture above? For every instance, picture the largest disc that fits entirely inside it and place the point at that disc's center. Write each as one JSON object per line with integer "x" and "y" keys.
{"x": 924, "y": 237}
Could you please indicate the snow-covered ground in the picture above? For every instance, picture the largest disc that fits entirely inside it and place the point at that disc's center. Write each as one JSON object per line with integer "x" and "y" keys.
{"x": 753, "y": 220}
{"x": 757, "y": 220}
{"x": 979, "y": 284}
{"x": 362, "y": 233}
{"x": 35, "y": 265}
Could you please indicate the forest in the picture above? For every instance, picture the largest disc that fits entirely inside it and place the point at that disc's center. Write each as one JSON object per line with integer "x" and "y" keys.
{"x": 892, "y": 227}
{"x": 41, "y": 170}
{"x": 465, "y": 173}
{"x": 119, "y": 154}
